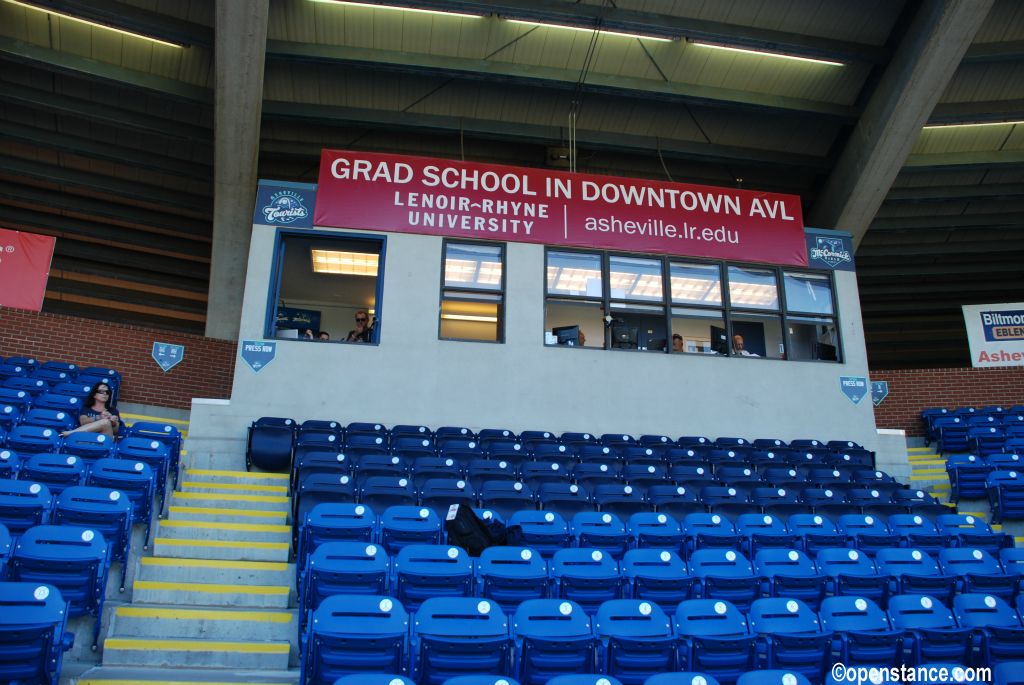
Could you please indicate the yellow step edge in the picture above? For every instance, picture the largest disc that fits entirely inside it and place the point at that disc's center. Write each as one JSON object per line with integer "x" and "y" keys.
{"x": 281, "y": 489}
{"x": 215, "y": 563}
{"x": 162, "y": 681}
{"x": 212, "y": 587}
{"x": 196, "y": 646}
{"x": 214, "y": 511}
{"x": 928, "y": 472}
{"x": 228, "y": 497}
{"x": 975, "y": 514}
{"x": 930, "y": 462}
{"x": 1019, "y": 539}
{"x": 177, "y": 423}
{"x": 996, "y": 527}
{"x": 237, "y": 474}
{"x": 220, "y": 525}
{"x": 204, "y": 614}
{"x": 227, "y": 544}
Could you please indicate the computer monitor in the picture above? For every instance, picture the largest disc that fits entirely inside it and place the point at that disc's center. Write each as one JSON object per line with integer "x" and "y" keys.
{"x": 827, "y": 352}
{"x": 719, "y": 340}
{"x": 624, "y": 336}
{"x": 287, "y": 334}
{"x": 567, "y": 335}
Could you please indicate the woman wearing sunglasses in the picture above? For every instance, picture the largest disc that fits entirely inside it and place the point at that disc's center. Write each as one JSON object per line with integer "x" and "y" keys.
{"x": 98, "y": 415}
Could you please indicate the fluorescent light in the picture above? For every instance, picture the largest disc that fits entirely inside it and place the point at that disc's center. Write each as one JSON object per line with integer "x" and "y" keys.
{"x": 417, "y": 10}
{"x": 696, "y": 290}
{"x": 765, "y": 53}
{"x": 977, "y": 123}
{"x": 345, "y": 263}
{"x": 568, "y": 279}
{"x": 624, "y": 34}
{"x": 470, "y": 317}
{"x": 472, "y": 271}
{"x": 94, "y": 24}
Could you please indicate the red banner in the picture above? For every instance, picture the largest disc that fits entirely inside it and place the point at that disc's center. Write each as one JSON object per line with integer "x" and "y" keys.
{"x": 408, "y": 194}
{"x": 24, "y": 268}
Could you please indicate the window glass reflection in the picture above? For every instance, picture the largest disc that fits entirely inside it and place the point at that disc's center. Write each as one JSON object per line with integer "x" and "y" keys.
{"x": 752, "y": 288}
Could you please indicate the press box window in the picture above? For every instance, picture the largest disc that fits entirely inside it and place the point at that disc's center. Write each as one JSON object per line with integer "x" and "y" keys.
{"x": 473, "y": 292}
{"x": 697, "y": 317}
{"x": 759, "y": 329}
{"x": 322, "y": 283}
{"x": 810, "y": 317}
{"x": 573, "y": 309}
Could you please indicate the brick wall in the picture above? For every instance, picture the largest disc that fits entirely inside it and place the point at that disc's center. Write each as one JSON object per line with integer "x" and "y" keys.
{"x": 911, "y": 390}
{"x": 205, "y": 371}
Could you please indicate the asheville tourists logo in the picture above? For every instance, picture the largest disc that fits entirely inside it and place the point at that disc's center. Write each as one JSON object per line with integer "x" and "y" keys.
{"x": 830, "y": 251}
{"x": 285, "y": 207}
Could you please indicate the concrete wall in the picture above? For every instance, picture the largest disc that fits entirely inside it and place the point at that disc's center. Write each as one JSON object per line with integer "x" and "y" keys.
{"x": 412, "y": 377}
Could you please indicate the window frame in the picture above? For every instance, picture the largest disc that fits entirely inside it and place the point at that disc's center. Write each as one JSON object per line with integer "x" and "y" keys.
{"x": 500, "y": 292}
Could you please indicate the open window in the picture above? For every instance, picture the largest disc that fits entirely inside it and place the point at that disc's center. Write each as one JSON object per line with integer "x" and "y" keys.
{"x": 473, "y": 292}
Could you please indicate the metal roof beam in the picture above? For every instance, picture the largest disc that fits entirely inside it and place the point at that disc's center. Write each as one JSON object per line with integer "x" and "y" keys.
{"x": 984, "y": 159}
{"x": 977, "y": 112}
{"x": 999, "y": 51}
{"x": 937, "y": 194}
{"x": 129, "y": 18}
{"x": 951, "y": 221}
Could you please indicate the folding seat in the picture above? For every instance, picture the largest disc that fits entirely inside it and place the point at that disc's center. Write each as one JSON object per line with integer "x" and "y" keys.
{"x": 793, "y": 635}
{"x": 967, "y": 475}
{"x": 577, "y": 439}
{"x": 1005, "y": 495}
{"x": 778, "y": 501}
{"x": 919, "y": 502}
{"x": 70, "y": 368}
{"x": 768, "y": 457}
{"x": 681, "y": 678}
{"x": 482, "y": 470}
{"x": 600, "y": 531}
{"x": 731, "y": 442}
{"x": 829, "y": 477}
{"x": 652, "y": 530}
{"x": 408, "y": 447}
{"x": 852, "y": 457}
{"x": 407, "y": 525}
{"x": 341, "y": 567}
{"x": 462, "y": 680}
{"x": 733, "y": 473}
{"x": 29, "y": 440}
{"x": 422, "y": 571}
{"x": 53, "y": 377}
{"x": 689, "y": 474}
{"x": 73, "y": 559}
{"x": 951, "y": 435}
{"x": 725, "y": 574}
{"x": 774, "y": 677}
{"x": 642, "y": 456}
{"x": 930, "y": 631}
{"x": 985, "y": 440}
{"x": 389, "y": 465}
{"x": 1004, "y": 461}
{"x": 996, "y": 624}
{"x": 657, "y": 575}
{"x": 387, "y": 679}
{"x": 506, "y": 497}
{"x": 674, "y": 500}
{"x": 405, "y": 430}
{"x": 368, "y": 428}
{"x": 319, "y": 461}
{"x": 20, "y": 401}
{"x": 915, "y": 572}
{"x": 72, "y": 388}
{"x": 448, "y": 432}
{"x": 615, "y": 440}
{"x": 543, "y": 531}
{"x": 585, "y": 576}
{"x": 155, "y": 453}
{"x": 762, "y": 531}
{"x": 89, "y": 447}
{"x": 361, "y": 444}
{"x": 782, "y": 476}
{"x": 552, "y": 637}
{"x": 636, "y": 640}
{"x": 510, "y": 575}
{"x": 684, "y": 456}
{"x": 354, "y": 634}
{"x": 978, "y": 571}
{"x": 106, "y": 511}
{"x": 970, "y": 531}
{"x": 33, "y": 632}
{"x": 645, "y": 473}
{"x": 790, "y": 573}
{"x": 815, "y": 532}
{"x": 381, "y": 492}
{"x": 863, "y": 632}
{"x": 693, "y": 440}
{"x": 714, "y": 638}
{"x": 876, "y": 480}
{"x": 563, "y": 455}
{"x": 651, "y": 440}
{"x": 621, "y": 500}
{"x": 768, "y": 443}
{"x": 10, "y": 462}
{"x": 459, "y": 449}
{"x": 422, "y": 469}
{"x": 852, "y": 574}
{"x": 873, "y": 502}
{"x": 321, "y": 487}
{"x": 720, "y": 456}
{"x": 56, "y": 419}
{"x": 333, "y": 522}
{"x": 708, "y": 531}
{"x": 868, "y": 533}
{"x": 532, "y": 438}
{"x": 536, "y": 473}
{"x": 928, "y": 417}
{"x": 55, "y": 471}
{"x": 589, "y": 474}
{"x": 1012, "y": 561}
{"x": 317, "y": 440}
{"x": 132, "y": 478}
{"x": 597, "y": 453}
{"x": 32, "y": 386}
{"x": 725, "y": 500}
{"x": 440, "y": 493}
{"x": 567, "y": 499}
{"x": 917, "y": 532}
{"x": 459, "y": 636}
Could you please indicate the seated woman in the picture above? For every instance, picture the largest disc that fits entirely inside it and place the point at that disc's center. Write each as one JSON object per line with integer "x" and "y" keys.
{"x": 97, "y": 415}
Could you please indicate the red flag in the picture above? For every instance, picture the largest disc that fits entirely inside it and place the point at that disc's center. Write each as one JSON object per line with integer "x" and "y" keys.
{"x": 24, "y": 268}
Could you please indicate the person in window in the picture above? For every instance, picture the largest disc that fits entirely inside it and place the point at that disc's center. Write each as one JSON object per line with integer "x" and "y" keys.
{"x": 362, "y": 331}
{"x": 677, "y": 342}
{"x": 737, "y": 348}
{"x": 307, "y": 334}
{"x": 97, "y": 415}
{"x": 324, "y": 336}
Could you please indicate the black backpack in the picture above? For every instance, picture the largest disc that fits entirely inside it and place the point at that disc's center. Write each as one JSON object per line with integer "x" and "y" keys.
{"x": 471, "y": 533}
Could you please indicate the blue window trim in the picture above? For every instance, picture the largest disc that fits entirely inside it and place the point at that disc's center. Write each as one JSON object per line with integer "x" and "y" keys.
{"x": 274, "y": 286}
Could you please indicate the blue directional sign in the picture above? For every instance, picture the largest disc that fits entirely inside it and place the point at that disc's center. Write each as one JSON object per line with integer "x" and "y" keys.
{"x": 879, "y": 391}
{"x": 854, "y": 387}
{"x": 167, "y": 355}
{"x": 258, "y": 353}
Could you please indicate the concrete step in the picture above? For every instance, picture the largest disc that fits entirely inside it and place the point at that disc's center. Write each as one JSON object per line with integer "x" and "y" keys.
{"x": 233, "y": 500}
{"x": 172, "y": 622}
{"x": 227, "y": 515}
{"x": 195, "y": 653}
{"x": 227, "y": 476}
{"x": 217, "y": 530}
{"x": 177, "y": 570}
{"x": 233, "y": 488}
{"x": 116, "y": 675}
{"x": 191, "y": 548}
{"x": 211, "y": 594}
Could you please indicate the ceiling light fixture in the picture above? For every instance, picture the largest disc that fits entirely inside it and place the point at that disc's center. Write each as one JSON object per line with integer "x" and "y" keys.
{"x": 470, "y": 317}
{"x": 344, "y": 263}
{"x": 94, "y": 24}
{"x": 765, "y": 53}
{"x": 624, "y": 34}
{"x": 975, "y": 123}
{"x": 399, "y": 8}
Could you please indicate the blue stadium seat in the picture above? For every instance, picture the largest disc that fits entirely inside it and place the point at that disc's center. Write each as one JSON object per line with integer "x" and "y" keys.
{"x": 58, "y": 419}
{"x": 657, "y": 575}
{"x": 366, "y": 428}
{"x": 674, "y": 500}
{"x": 376, "y": 679}
{"x": 55, "y": 471}
{"x": 455, "y": 636}
{"x": 423, "y": 469}
{"x": 552, "y": 637}
{"x": 868, "y": 533}
{"x": 603, "y": 531}
{"x": 589, "y": 474}
{"x": 597, "y": 453}
{"x": 506, "y": 497}
{"x": 32, "y": 386}
{"x": 510, "y": 575}
{"x": 971, "y": 531}
{"x": 509, "y": 450}
{"x": 70, "y": 404}
{"x": 101, "y": 509}
{"x": 24, "y": 504}
{"x": 381, "y": 492}
{"x": 681, "y": 678}
{"x": 852, "y": 573}
{"x": 29, "y": 440}
{"x": 586, "y": 577}
{"x": 791, "y": 573}
{"x": 815, "y": 532}
{"x": 461, "y": 450}
{"x": 338, "y": 568}
{"x": 915, "y": 572}
{"x": 482, "y": 470}
{"x": 763, "y": 531}
{"x": 75, "y": 560}
{"x": 474, "y": 680}
{"x": 917, "y": 532}
{"x": 1012, "y": 561}
{"x": 411, "y": 431}
{"x": 423, "y": 571}
{"x": 133, "y": 478}
{"x": 998, "y": 626}
{"x": 1005, "y": 495}
{"x": 714, "y": 638}
{"x": 696, "y": 474}
{"x": 268, "y": 446}
{"x": 70, "y": 368}
{"x": 152, "y": 452}
{"x": 950, "y": 434}
{"x": 645, "y": 473}
{"x": 774, "y": 677}
{"x": 319, "y": 461}
{"x": 967, "y": 474}
{"x": 724, "y": 500}
{"x": 390, "y": 465}
{"x": 794, "y": 638}
{"x": 319, "y": 488}
{"x": 659, "y": 531}
{"x": 930, "y": 630}
{"x": 978, "y": 571}
{"x": 408, "y": 446}
{"x": 10, "y": 462}
{"x": 725, "y": 574}
{"x": 354, "y": 634}
{"x": 620, "y": 500}
{"x": 164, "y": 433}
{"x": 987, "y": 439}
{"x": 585, "y": 679}
{"x": 708, "y": 531}
{"x": 636, "y": 640}
{"x": 778, "y": 501}
{"x": 333, "y": 522}
{"x": 408, "y": 525}
{"x": 537, "y": 473}
{"x": 545, "y": 532}
{"x": 440, "y": 493}
{"x": 863, "y": 632}
{"x": 89, "y": 447}
{"x": 33, "y": 636}
{"x": 10, "y": 416}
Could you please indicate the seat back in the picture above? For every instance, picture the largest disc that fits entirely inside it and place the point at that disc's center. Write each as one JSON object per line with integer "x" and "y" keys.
{"x": 638, "y": 639}
{"x": 553, "y": 637}
{"x": 714, "y": 639}
{"x": 101, "y": 509}
{"x": 355, "y": 634}
{"x": 24, "y": 504}
{"x": 32, "y": 632}
{"x": 653, "y": 530}
{"x": 29, "y": 440}
{"x": 405, "y": 525}
{"x": 342, "y": 567}
{"x": 543, "y": 531}
{"x": 56, "y": 471}
{"x": 510, "y": 575}
{"x": 424, "y": 571}
{"x": 604, "y": 531}
{"x": 585, "y": 576}
{"x": 657, "y": 575}
{"x": 134, "y": 478}
{"x": 456, "y": 636}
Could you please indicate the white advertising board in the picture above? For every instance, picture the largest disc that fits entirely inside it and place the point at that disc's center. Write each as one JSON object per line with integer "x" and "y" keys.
{"x": 995, "y": 333}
